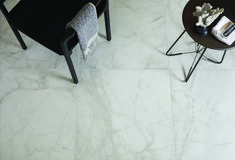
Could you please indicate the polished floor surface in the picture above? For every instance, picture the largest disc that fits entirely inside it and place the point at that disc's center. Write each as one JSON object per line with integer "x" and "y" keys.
{"x": 131, "y": 102}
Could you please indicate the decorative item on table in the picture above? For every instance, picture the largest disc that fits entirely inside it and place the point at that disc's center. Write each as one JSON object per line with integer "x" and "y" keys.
{"x": 206, "y": 15}
{"x": 224, "y": 31}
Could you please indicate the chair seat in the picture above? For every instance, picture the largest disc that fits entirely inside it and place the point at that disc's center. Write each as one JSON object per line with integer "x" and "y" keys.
{"x": 45, "y": 20}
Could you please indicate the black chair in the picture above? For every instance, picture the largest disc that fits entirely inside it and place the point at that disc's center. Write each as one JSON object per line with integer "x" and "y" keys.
{"x": 44, "y": 21}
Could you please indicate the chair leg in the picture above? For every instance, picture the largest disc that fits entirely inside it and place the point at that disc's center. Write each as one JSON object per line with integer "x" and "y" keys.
{"x": 67, "y": 55}
{"x": 18, "y": 36}
{"x": 71, "y": 68}
{"x": 16, "y": 32}
{"x": 107, "y": 22}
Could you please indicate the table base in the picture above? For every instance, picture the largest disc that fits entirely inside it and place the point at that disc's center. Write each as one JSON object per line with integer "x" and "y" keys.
{"x": 200, "y": 50}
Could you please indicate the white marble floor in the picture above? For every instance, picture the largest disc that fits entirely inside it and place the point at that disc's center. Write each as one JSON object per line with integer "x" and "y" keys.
{"x": 130, "y": 104}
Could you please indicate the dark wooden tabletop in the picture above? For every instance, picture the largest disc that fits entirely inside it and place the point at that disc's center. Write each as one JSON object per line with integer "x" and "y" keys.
{"x": 189, "y": 22}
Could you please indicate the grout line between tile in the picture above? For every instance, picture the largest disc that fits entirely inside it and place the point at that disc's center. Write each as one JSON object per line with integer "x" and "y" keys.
{"x": 172, "y": 114}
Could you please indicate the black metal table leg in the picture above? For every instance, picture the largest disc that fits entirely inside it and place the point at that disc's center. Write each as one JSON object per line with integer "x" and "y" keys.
{"x": 167, "y": 53}
{"x": 214, "y": 61}
{"x": 192, "y": 68}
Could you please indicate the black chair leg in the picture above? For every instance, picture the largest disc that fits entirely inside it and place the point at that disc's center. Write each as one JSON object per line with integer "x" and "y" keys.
{"x": 71, "y": 68}
{"x": 67, "y": 56}
{"x": 18, "y": 36}
{"x": 16, "y": 32}
{"x": 107, "y": 22}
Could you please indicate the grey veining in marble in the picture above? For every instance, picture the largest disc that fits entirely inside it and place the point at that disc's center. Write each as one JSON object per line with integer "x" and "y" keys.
{"x": 130, "y": 104}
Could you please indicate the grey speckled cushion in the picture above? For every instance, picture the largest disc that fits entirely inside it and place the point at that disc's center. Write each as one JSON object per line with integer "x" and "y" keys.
{"x": 86, "y": 25}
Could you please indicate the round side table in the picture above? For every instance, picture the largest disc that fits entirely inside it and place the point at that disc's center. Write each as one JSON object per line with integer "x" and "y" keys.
{"x": 207, "y": 41}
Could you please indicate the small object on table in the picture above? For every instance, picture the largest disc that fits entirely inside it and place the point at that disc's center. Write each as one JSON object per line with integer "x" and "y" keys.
{"x": 206, "y": 15}
{"x": 224, "y": 31}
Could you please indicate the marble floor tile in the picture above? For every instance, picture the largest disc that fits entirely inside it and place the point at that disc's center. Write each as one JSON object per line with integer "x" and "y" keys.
{"x": 204, "y": 116}
{"x": 36, "y": 120}
{"x": 131, "y": 102}
{"x": 121, "y": 116}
